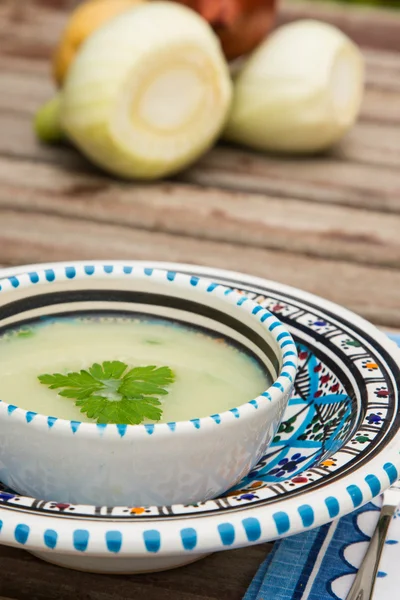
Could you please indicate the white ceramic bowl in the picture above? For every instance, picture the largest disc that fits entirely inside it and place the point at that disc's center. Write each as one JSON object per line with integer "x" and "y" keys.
{"x": 182, "y": 462}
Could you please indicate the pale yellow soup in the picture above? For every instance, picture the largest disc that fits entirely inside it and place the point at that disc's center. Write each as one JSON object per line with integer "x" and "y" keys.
{"x": 212, "y": 375}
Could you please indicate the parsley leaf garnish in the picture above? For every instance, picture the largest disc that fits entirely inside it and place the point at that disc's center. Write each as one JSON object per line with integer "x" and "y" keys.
{"x": 113, "y": 393}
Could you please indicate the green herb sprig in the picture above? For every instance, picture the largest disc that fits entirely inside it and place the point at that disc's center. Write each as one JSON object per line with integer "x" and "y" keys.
{"x": 111, "y": 392}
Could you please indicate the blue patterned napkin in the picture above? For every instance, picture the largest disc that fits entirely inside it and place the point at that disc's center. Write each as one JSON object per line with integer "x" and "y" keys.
{"x": 321, "y": 564}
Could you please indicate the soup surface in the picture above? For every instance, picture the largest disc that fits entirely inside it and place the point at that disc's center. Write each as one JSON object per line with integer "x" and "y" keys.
{"x": 211, "y": 374}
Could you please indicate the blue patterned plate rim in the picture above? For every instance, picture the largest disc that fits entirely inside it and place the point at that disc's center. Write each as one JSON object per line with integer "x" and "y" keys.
{"x": 239, "y": 521}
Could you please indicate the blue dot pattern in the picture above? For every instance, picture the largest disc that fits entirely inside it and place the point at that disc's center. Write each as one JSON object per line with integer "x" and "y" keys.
{"x": 14, "y": 281}
{"x": 333, "y": 506}
{"x": 282, "y": 522}
{"x": 391, "y": 472}
{"x": 34, "y": 277}
{"x": 355, "y": 495}
{"x": 307, "y": 515}
{"x": 122, "y": 429}
{"x": 114, "y": 541}
{"x": 152, "y": 540}
{"x": 252, "y": 529}
{"x": 50, "y": 538}
{"x": 29, "y": 416}
{"x": 21, "y": 533}
{"x": 74, "y": 426}
{"x": 81, "y": 539}
{"x": 374, "y": 484}
{"x": 282, "y": 335}
{"x": 51, "y": 421}
{"x": 227, "y": 533}
{"x": 50, "y": 275}
{"x": 189, "y": 538}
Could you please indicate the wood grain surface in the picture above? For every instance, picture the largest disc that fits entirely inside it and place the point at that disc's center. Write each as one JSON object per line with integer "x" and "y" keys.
{"x": 222, "y": 576}
{"x": 329, "y": 224}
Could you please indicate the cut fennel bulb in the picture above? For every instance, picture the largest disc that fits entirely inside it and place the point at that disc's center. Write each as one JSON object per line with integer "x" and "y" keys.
{"x": 148, "y": 92}
{"x": 299, "y": 92}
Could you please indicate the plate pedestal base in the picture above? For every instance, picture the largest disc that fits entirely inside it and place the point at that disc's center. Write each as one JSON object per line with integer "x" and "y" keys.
{"x": 117, "y": 565}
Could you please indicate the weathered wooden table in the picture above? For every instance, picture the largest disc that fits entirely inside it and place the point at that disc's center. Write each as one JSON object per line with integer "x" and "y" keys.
{"x": 330, "y": 225}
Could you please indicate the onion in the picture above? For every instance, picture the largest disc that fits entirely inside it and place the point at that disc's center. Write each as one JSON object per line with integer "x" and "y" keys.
{"x": 86, "y": 18}
{"x": 148, "y": 92}
{"x": 299, "y": 92}
{"x": 240, "y": 24}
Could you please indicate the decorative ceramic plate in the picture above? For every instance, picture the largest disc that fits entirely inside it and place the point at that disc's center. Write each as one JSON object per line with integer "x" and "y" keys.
{"x": 337, "y": 447}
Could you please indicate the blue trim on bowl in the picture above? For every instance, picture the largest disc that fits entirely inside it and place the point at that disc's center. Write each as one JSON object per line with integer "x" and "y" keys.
{"x": 283, "y": 338}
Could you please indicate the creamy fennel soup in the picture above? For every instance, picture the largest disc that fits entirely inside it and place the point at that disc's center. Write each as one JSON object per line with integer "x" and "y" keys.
{"x": 116, "y": 369}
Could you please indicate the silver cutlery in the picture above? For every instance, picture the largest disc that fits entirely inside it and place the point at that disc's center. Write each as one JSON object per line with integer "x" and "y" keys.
{"x": 363, "y": 585}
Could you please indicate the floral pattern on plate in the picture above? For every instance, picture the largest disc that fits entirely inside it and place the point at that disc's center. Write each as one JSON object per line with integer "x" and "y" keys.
{"x": 316, "y": 423}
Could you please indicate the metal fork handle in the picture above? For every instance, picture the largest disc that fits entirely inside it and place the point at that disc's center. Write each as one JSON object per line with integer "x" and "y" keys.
{"x": 363, "y": 585}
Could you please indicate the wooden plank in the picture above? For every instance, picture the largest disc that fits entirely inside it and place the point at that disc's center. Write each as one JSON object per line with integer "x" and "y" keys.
{"x": 24, "y": 92}
{"x": 376, "y": 28}
{"x": 371, "y": 143}
{"x": 23, "y": 66}
{"x": 319, "y": 179}
{"x": 368, "y": 26}
{"x": 222, "y": 576}
{"x": 18, "y": 141}
{"x": 372, "y": 292}
{"x": 381, "y": 106}
{"x": 30, "y": 29}
{"x": 327, "y": 231}
{"x": 382, "y": 68}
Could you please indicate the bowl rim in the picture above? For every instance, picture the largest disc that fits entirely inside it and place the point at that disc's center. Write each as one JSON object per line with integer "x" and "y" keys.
{"x": 80, "y": 270}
